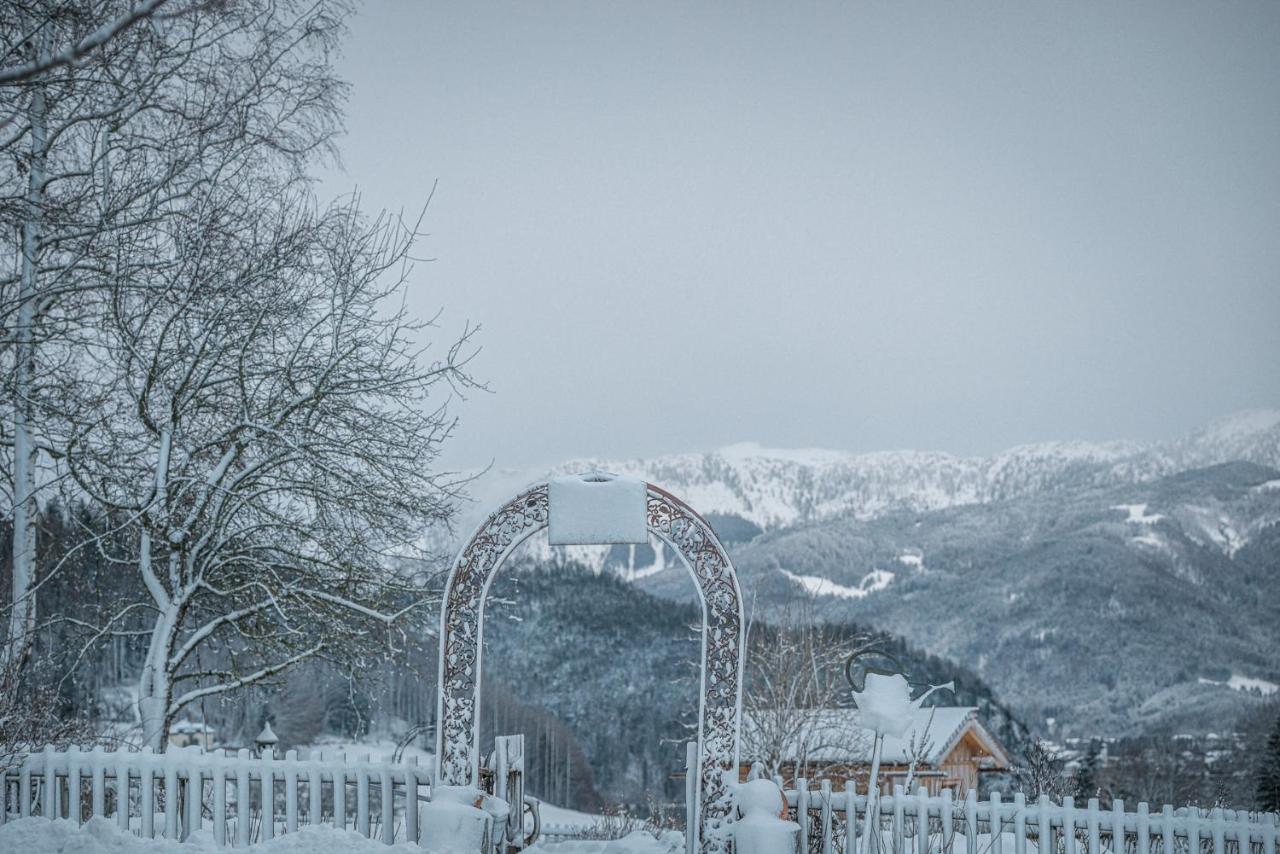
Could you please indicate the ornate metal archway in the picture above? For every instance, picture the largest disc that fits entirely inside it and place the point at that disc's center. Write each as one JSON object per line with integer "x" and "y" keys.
{"x": 720, "y": 704}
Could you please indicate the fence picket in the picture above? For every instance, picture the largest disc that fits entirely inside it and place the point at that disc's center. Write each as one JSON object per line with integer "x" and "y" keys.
{"x": 315, "y": 799}
{"x": 24, "y": 787}
{"x": 218, "y": 780}
{"x": 411, "y": 798}
{"x": 122, "y": 790}
{"x": 1269, "y": 835}
{"x": 146, "y": 795}
{"x": 802, "y": 810}
{"x": 388, "y": 795}
{"x": 268, "y": 793}
{"x": 195, "y": 798}
{"x": 244, "y": 805}
{"x": 824, "y": 791}
{"x": 49, "y": 790}
{"x": 340, "y": 794}
{"x": 1069, "y": 825}
{"x": 291, "y": 791}
{"x": 362, "y": 797}
{"x": 1117, "y": 826}
{"x": 997, "y": 822}
{"x": 971, "y": 822}
{"x": 850, "y": 817}
{"x": 899, "y": 820}
{"x": 1144, "y": 830}
{"x": 1166, "y": 829}
{"x": 948, "y": 828}
{"x": 170, "y": 800}
{"x": 1044, "y": 826}
{"x": 922, "y": 820}
{"x": 1091, "y": 822}
{"x": 99, "y": 771}
{"x": 1243, "y": 836}
{"x": 1219, "y": 832}
{"x": 1019, "y": 823}
{"x": 74, "y": 759}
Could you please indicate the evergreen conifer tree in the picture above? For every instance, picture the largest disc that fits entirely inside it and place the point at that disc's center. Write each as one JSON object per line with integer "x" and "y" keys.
{"x": 1268, "y": 798}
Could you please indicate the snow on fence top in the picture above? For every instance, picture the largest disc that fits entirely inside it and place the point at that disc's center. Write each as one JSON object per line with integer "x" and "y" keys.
{"x": 940, "y": 824}
{"x": 269, "y": 795}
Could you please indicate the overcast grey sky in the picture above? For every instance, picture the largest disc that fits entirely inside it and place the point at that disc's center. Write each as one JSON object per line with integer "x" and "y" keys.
{"x": 955, "y": 226}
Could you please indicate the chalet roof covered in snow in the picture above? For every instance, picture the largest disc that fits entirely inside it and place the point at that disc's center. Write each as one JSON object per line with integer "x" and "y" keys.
{"x": 835, "y": 736}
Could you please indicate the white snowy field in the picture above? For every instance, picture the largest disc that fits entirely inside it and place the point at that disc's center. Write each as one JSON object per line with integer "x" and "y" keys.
{"x": 103, "y": 836}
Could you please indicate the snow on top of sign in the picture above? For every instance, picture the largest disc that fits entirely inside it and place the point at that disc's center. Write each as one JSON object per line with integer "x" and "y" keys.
{"x": 597, "y": 508}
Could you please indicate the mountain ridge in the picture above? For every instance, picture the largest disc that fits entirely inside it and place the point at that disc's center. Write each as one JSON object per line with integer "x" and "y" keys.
{"x": 777, "y": 487}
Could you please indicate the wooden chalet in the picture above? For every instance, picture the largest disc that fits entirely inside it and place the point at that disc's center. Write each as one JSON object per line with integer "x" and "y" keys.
{"x": 958, "y": 749}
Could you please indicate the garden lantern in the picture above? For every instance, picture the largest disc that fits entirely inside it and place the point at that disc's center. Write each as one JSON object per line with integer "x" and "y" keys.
{"x": 266, "y": 740}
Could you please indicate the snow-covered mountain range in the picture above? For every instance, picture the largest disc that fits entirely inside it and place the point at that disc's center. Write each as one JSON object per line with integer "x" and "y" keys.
{"x": 773, "y": 488}
{"x": 1032, "y": 566}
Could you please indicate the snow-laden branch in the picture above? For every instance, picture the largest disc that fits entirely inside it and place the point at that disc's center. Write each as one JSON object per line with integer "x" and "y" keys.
{"x": 257, "y": 676}
{"x": 83, "y": 47}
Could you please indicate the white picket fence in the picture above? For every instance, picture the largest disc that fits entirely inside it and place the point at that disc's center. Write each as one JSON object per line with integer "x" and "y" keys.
{"x": 834, "y": 822}
{"x": 242, "y": 798}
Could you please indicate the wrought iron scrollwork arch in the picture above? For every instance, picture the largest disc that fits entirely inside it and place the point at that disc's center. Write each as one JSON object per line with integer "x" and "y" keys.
{"x": 720, "y": 703}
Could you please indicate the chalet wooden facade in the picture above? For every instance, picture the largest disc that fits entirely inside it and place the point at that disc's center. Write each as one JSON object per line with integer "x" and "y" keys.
{"x": 957, "y": 750}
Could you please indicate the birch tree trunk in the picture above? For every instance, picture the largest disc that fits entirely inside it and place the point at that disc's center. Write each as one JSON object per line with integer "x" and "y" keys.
{"x": 22, "y": 617}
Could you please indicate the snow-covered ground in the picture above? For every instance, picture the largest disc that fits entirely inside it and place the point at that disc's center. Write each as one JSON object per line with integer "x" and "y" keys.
{"x": 1245, "y": 683}
{"x": 816, "y": 585}
{"x": 102, "y": 836}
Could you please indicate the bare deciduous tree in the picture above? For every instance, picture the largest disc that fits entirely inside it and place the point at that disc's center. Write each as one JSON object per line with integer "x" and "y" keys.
{"x": 114, "y": 115}
{"x": 272, "y": 433}
{"x": 794, "y": 679}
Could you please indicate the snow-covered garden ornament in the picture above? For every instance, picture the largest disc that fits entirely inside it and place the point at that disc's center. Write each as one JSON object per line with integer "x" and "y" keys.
{"x": 591, "y": 509}
{"x": 762, "y": 826}
{"x": 882, "y": 696}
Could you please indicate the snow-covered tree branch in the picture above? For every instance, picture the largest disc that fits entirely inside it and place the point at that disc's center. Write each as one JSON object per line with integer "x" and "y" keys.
{"x": 272, "y": 433}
